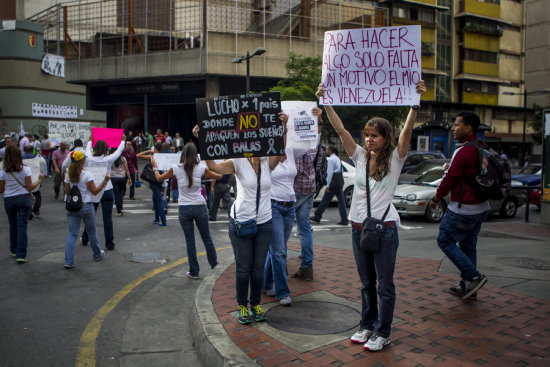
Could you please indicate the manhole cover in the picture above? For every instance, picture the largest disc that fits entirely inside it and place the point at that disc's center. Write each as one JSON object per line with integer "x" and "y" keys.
{"x": 313, "y": 318}
{"x": 525, "y": 263}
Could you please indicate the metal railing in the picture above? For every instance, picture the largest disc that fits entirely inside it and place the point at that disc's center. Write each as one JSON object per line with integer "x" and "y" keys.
{"x": 115, "y": 29}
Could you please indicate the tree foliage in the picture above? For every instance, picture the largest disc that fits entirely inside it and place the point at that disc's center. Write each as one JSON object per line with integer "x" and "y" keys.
{"x": 303, "y": 78}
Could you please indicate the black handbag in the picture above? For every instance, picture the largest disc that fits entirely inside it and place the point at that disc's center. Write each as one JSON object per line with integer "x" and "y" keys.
{"x": 148, "y": 174}
{"x": 249, "y": 228}
{"x": 373, "y": 229}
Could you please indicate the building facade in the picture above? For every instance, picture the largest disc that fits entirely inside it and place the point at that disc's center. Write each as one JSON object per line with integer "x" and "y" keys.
{"x": 145, "y": 62}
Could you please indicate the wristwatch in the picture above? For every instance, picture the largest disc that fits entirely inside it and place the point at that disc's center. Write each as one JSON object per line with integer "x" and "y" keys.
{"x": 415, "y": 107}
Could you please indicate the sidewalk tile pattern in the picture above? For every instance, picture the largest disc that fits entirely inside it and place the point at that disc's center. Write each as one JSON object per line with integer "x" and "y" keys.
{"x": 435, "y": 329}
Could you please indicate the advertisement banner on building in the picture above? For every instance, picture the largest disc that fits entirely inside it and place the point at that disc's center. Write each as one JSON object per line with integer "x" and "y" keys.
{"x": 240, "y": 126}
{"x": 372, "y": 66}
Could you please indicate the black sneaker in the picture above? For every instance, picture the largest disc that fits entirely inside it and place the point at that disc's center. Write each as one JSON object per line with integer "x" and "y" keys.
{"x": 244, "y": 315}
{"x": 257, "y": 313}
{"x": 459, "y": 292}
{"x": 315, "y": 219}
{"x": 474, "y": 285}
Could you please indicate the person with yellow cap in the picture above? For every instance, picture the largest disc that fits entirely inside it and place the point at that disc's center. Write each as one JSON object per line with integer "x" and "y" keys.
{"x": 76, "y": 175}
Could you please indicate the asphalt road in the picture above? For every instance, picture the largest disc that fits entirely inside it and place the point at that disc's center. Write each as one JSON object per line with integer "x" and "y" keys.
{"x": 50, "y": 316}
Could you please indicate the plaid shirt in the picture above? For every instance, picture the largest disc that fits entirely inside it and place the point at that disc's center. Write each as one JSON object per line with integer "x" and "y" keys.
{"x": 304, "y": 183}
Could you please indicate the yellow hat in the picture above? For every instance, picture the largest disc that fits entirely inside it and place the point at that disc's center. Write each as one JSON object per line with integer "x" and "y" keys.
{"x": 77, "y": 156}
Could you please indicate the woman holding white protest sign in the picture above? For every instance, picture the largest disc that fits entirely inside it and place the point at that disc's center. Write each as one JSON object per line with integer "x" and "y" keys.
{"x": 192, "y": 205}
{"x": 99, "y": 163}
{"x": 84, "y": 181}
{"x": 250, "y": 226}
{"x": 375, "y": 253}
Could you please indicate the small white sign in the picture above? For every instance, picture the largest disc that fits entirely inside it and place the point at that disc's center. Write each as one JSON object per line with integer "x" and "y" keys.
{"x": 302, "y": 125}
{"x": 8, "y": 25}
{"x": 69, "y": 131}
{"x": 165, "y": 161}
{"x": 53, "y": 110}
{"x": 53, "y": 65}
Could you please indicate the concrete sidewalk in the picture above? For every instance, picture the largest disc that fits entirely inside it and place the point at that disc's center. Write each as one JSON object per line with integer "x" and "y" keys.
{"x": 430, "y": 328}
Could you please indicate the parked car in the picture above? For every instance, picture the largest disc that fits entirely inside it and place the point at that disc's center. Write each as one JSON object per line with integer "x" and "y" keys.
{"x": 535, "y": 197}
{"x": 529, "y": 175}
{"x": 420, "y": 168}
{"x": 413, "y": 198}
{"x": 349, "y": 182}
{"x": 415, "y": 157}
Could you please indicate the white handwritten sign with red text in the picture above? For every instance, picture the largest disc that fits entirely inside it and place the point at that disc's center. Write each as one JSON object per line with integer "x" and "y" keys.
{"x": 374, "y": 66}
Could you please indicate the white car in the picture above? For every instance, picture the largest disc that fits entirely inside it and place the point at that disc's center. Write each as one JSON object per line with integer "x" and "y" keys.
{"x": 414, "y": 198}
{"x": 349, "y": 181}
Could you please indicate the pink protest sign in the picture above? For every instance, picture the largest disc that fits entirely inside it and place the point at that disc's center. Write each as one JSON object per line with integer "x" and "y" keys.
{"x": 374, "y": 66}
{"x": 111, "y": 136}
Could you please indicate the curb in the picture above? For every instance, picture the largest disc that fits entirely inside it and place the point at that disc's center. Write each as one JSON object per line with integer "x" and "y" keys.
{"x": 500, "y": 234}
{"x": 213, "y": 344}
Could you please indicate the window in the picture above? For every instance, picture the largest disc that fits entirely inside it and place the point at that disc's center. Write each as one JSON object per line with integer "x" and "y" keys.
{"x": 482, "y": 56}
{"x": 400, "y": 12}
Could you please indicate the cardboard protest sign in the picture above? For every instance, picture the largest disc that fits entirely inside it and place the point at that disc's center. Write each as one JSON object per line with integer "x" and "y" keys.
{"x": 165, "y": 161}
{"x": 301, "y": 125}
{"x": 240, "y": 126}
{"x": 374, "y": 66}
{"x": 98, "y": 173}
{"x": 111, "y": 136}
{"x": 69, "y": 131}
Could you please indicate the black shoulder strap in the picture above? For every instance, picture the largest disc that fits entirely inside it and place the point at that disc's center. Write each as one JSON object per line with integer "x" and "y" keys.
{"x": 367, "y": 170}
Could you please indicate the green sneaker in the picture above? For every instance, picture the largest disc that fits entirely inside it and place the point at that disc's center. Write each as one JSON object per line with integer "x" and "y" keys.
{"x": 244, "y": 315}
{"x": 257, "y": 313}
{"x": 22, "y": 260}
{"x": 12, "y": 254}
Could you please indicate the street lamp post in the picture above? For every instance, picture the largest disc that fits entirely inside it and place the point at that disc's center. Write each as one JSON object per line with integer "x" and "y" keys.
{"x": 525, "y": 93}
{"x": 238, "y": 60}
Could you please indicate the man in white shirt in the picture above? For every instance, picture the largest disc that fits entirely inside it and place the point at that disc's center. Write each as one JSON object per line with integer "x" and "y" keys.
{"x": 335, "y": 185}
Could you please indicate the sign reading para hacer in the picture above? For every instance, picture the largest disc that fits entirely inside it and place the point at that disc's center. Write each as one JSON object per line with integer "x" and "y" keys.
{"x": 374, "y": 66}
{"x": 240, "y": 126}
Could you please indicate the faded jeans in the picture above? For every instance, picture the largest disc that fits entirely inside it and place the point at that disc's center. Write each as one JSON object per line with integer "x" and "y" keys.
{"x": 304, "y": 203}
{"x": 87, "y": 214}
{"x": 18, "y": 210}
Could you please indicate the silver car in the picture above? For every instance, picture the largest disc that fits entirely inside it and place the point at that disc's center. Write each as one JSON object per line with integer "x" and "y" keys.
{"x": 414, "y": 198}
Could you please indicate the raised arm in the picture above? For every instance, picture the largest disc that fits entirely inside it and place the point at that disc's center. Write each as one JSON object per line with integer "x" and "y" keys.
{"x": 223, "y": 168}
{"x": 165, "y": 176}
{"x": 114, "y": 156}
{"x": 406, "y": 133}
{"x": 349, "y": 144}
{"x": 212, "y": 175}
{"x": 145, "y": 155}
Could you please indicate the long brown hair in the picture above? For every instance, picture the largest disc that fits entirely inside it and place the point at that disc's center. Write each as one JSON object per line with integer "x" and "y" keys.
{"x": 101, "y": 148}
{"x": 13, "y": 161}
{"x": 75, "y": 169}
{"x": 189, "y": 158}
{"x": 382, "y": 165}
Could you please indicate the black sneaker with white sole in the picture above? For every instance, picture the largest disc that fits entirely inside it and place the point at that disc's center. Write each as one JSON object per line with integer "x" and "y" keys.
{"x": 472, "y": 286}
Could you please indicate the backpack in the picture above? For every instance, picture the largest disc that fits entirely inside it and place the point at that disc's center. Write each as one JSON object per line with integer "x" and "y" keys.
{"x": 320, "y": 164}
{"x": 493, "y": 176}
{"x": 73, "y": 202}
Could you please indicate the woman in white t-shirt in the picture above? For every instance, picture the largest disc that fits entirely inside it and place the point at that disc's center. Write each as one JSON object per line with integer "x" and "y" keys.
{"x": 100, "y": 161}
{"x": 385, "y": 161}
{"x": 16, "y": 184}
{"x": 192, "y": 205}
{"x": 76, "y": 175}
{"x": 250, "y": 253}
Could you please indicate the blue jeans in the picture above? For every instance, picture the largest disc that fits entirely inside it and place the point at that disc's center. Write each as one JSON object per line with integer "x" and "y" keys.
{"x": 304, "y": 203}
{"x": 18, "y": 209}
{"x": 325, "y": 201}
{"x": 87, "y": 214}
{"x": 373, "y": 266}
{"x": 275, "y": 262}
{"x": 464, "y": 230}
{"x": 188, "y": 213}
{"x": 250, "y": 254}
{"x": 158, "y": 203}
{"x": 107, "y": 200}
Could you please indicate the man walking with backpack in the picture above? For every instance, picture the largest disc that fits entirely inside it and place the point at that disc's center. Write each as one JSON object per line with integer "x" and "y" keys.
{"x": 462, "y": 221}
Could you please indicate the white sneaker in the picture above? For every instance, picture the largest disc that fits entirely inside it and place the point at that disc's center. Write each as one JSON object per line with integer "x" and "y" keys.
{"x": 286, "y": 301}
{"x": 376, "y": 343}
{"x": 361, "y": 336}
